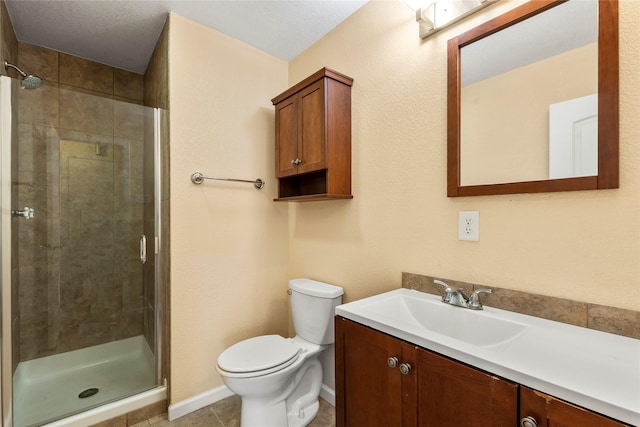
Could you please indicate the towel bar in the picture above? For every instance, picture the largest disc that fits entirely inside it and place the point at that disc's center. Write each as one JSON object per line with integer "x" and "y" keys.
{"x": 198, "y": 178}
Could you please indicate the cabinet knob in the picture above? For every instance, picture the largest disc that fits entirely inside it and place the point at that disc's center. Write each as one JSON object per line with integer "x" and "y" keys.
{"x": 392, "y": 362}
{"x": 405, "y": 368}
{"x": 528, "y": 422}
{"x": 296, "y": 161}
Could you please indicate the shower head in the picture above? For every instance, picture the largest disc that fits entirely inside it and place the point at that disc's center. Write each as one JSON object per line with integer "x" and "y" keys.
{"x": 29, "y": 81}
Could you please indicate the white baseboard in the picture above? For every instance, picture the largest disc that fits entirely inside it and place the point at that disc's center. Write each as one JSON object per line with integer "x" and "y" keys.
{"x": 214, "y": 395}
{"x": 328, "y": 394}
{"x": 198, "y": 401}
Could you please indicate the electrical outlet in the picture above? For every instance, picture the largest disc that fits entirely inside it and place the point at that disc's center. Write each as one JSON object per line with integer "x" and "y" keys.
{"x": 469, "y": 225}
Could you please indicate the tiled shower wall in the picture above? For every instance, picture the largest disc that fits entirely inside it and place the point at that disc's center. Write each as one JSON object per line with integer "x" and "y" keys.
{"x": 79, "y": 154}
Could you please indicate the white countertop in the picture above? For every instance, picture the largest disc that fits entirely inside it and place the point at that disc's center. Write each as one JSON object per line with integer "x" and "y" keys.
{"x": 592, "y": 369}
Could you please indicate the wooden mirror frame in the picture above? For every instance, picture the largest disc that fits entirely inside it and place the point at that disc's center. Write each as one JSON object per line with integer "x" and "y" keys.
{"x": 608, "y": 132}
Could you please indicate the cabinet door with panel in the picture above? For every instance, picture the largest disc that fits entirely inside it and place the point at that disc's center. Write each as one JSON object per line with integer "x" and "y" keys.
{"x": 312, "y": 131}
{"x": 453, "y": 394}
{"x": 368, "y": 384}
{"x": 287, "y": 137}
{"x": 300, "y": 132}
{"x": 538, "y": 409}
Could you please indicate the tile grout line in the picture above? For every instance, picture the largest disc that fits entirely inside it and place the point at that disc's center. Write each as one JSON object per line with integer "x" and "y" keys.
{"x": 217, "y": 416}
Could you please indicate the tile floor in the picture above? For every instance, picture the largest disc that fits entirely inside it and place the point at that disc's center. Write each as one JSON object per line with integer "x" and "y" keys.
{"x": 226, "y": 413}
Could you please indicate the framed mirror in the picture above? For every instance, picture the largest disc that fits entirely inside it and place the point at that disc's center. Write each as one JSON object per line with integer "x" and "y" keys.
{"x": 533, "y": 101}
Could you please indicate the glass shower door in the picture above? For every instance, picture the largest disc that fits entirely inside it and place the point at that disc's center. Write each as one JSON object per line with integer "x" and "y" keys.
{"x": 82, "y": 286}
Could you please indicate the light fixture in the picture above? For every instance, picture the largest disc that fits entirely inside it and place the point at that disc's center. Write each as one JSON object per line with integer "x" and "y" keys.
{"x": 442, "y": 13}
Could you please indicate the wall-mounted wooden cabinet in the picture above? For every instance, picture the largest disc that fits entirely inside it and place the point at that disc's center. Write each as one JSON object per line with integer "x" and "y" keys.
{"x": 313, "y": 138}
{"x": 382, "y": 381}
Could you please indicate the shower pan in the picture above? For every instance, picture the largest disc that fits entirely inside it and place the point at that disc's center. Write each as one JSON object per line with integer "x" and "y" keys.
{"x": 80, "y": 229}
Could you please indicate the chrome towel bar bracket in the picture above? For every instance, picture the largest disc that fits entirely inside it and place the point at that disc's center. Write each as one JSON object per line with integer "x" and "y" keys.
{"x": 198, "y": 178}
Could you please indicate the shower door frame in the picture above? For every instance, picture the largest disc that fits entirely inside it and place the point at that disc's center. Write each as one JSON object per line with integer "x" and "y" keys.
{"x": 6, "y": 336}
{"x": 6, "y": 324}
{"x": 157, "y": 211}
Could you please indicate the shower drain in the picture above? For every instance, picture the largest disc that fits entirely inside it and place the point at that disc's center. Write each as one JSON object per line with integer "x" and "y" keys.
{"x": 88, "y": 393}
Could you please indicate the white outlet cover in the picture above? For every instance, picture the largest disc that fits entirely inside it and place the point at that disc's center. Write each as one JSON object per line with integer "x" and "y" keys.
{"x": 469, "y": 226}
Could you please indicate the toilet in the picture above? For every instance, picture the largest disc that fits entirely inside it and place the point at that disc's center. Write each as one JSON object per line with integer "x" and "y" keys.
{"x": 278, "y": 378}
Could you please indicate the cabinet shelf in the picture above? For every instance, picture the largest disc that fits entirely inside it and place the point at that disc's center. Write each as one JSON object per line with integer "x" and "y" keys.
{"x": 313, "y": 197}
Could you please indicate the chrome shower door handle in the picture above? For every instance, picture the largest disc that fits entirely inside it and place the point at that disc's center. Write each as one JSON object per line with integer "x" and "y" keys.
{"x": 143, "y": 248}
{"x": 27, "y": 212}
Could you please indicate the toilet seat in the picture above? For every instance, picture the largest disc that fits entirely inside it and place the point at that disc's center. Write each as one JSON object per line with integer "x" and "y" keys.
{"x": 258, "y": 356}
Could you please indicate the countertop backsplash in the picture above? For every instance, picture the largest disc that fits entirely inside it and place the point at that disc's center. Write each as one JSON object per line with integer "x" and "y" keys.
{"x": 593, "y": 316}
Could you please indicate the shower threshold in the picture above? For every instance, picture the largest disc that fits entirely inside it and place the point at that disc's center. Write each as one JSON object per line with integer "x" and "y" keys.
{"x": 49, "y": 388}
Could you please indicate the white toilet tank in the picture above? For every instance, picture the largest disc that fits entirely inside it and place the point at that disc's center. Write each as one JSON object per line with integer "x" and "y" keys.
{"x": 313, "y": 309}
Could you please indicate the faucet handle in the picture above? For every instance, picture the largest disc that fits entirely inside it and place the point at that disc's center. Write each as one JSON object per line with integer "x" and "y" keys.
{"x": 446, "y": 287}
{"x": 447, "y": 290}
{"x": 474, "y": 301}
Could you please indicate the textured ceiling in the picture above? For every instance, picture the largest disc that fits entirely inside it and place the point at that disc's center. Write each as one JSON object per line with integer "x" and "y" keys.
{"x": 123, "y": 33}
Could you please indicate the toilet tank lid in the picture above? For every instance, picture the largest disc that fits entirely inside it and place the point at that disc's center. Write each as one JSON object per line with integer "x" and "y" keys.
{"x": 315, "y": 289}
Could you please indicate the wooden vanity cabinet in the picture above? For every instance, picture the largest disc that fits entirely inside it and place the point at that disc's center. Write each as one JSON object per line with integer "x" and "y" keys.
{"x": 430, "y": 391}
{"x": 548, "y": 411}
{"x": 313, "y": 138}
{"x": 435, "y": 391}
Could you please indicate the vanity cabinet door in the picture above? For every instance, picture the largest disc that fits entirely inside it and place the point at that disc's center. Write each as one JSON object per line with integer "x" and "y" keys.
{"x": 548, "y": 411}
{"x": 452, "y": 394}
{"x": 368, "y": 390}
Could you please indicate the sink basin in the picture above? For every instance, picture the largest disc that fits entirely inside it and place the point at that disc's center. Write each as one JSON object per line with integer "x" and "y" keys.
{"x": 477, "y": 327}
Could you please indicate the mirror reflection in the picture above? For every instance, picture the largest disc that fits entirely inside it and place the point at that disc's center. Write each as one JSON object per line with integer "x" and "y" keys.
{"x": 529, "y": 99}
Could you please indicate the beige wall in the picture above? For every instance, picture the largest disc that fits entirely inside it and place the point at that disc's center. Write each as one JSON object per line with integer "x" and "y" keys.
{"x": 229, "y": 253}
{"x": 579, "y": 245}
{"x": 232, "y": 253}
{"x": 504, "y": 120}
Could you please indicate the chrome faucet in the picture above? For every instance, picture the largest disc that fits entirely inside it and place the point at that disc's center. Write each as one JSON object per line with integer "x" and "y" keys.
{"x": 459, "y": 298}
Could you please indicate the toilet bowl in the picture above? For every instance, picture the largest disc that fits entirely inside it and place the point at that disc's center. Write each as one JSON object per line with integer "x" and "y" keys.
{"x": 279, "y": 379}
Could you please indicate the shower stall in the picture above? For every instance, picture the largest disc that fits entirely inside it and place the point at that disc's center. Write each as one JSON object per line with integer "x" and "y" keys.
{"x": 82, "y": 306}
